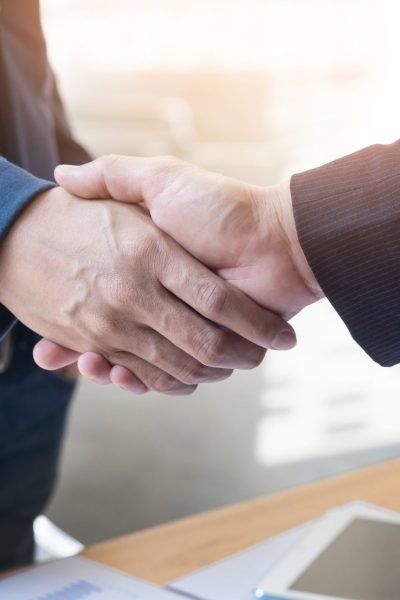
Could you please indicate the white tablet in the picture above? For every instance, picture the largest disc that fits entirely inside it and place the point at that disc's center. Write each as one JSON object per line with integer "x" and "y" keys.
{"x": 352, "y": 554}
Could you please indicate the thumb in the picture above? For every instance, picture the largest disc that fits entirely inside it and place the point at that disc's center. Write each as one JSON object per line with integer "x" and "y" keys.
{"x": 179, "y": 198}
{"x": 117, "y": 177}
{"x": 86, "y": 181}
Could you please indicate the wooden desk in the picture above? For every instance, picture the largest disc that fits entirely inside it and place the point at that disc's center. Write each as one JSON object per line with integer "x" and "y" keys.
{"x": 164, "y": 553}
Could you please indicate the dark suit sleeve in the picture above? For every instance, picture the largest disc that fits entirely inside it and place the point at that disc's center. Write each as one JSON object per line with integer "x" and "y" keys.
{"x": 70, "y": 151}
{"x": 348, "y": 220}
{"x": 17, "y": 188}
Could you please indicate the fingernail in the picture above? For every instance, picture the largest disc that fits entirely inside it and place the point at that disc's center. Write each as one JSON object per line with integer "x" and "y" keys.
{"x": 67, "y": 167}
{"x": 67, "y": 170}
{"x": 285, "y": 340}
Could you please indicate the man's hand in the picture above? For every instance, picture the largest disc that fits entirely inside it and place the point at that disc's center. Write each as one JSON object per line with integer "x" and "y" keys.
{"x": 245, "y": 233}
{"x": 101, "y": 277}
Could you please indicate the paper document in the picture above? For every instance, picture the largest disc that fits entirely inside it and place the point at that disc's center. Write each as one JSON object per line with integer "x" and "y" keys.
{"x": 236, "y": 577}
{"x": 78, "y": 579}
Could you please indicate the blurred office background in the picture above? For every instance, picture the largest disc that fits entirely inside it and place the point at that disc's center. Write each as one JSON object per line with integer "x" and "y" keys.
{"x": 256, "y": 89}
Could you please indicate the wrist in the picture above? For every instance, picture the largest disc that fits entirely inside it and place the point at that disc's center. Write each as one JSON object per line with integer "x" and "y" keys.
{"x": 14, "y": 249}
{"x": 281, "y": 198}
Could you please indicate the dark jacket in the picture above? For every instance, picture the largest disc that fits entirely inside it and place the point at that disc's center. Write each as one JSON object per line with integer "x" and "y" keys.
{"x": 34, "y": 132}
{"x": 348, "y": 220}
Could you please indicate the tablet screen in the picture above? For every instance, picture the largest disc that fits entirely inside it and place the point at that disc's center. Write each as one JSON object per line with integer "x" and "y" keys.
{"x": 362, "y": 563}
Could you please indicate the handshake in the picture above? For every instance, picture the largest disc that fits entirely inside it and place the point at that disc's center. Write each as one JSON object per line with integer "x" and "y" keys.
{"x": 153, "y": 274}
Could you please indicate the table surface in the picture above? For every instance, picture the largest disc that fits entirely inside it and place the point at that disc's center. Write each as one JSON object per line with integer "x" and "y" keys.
{"x": 164, "y": 553}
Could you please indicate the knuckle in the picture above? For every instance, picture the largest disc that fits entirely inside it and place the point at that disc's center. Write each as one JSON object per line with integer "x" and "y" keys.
{"x": 168, "y": 161}
{"x": 144, "y": 247}
{"x": 162, "y": 382}
{"x": 191, "y": 373}
{"x": 166, "y": 171}
{"x": 213, "y": 297}
{"x": 128, "y": 300}
{"x": 212, "y": 348}
{"x": 104, "y": 330}
{"x": 104, "y": 325}
{"x": 118, "y": 294}
{"x": 266, "y": 327}
{"x": 107, "y": 160}
{"x": 256, "y": 358}
{"x": 149, "y": 251}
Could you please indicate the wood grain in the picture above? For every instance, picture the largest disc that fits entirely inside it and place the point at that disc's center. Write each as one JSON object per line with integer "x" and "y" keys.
{"x": 164, "y": 553}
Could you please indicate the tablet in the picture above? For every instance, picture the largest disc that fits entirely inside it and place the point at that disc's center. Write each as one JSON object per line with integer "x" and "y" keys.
{"x": 351, "y": 554}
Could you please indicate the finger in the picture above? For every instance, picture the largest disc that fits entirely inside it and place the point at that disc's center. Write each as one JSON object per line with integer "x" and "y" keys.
{"x": 51, "y": 356}
{"x": 222, "y": 303}
{"x": 119, "y": 177}
{"x": 97, "y": 178}
{"x": 95, "y": 367}
{"x": 153, "y": 378}
{"x": 190, "y": 347}
{"x": 129, "y": 179}
{"x": 156, "y": 349}
{"x": 125, "y": 379}
{"x": 98, "y": 369}
{"x": 133, "y": 180}
{"x": 86, "y": 181}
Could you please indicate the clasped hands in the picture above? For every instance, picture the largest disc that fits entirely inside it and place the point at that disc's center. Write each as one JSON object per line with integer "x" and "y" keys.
{"x": 153, "y": 274}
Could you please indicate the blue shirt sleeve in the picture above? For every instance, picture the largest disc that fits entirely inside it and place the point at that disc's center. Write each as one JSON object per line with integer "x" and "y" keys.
{"x": 17, "y": 188}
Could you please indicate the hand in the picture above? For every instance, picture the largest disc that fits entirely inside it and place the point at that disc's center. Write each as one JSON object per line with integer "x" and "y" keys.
{"x": 100, "y": 276}
{"x": 246, "y": 233}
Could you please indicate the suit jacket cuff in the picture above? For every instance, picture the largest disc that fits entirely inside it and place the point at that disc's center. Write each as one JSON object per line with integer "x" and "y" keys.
{"x": 348, "y": 220}
{"x": 17, "y": 188}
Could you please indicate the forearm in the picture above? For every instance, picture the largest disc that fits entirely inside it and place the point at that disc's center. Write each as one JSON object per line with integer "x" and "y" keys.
{"x": 348, "y": 221}
{"x": 18, "y": 188}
